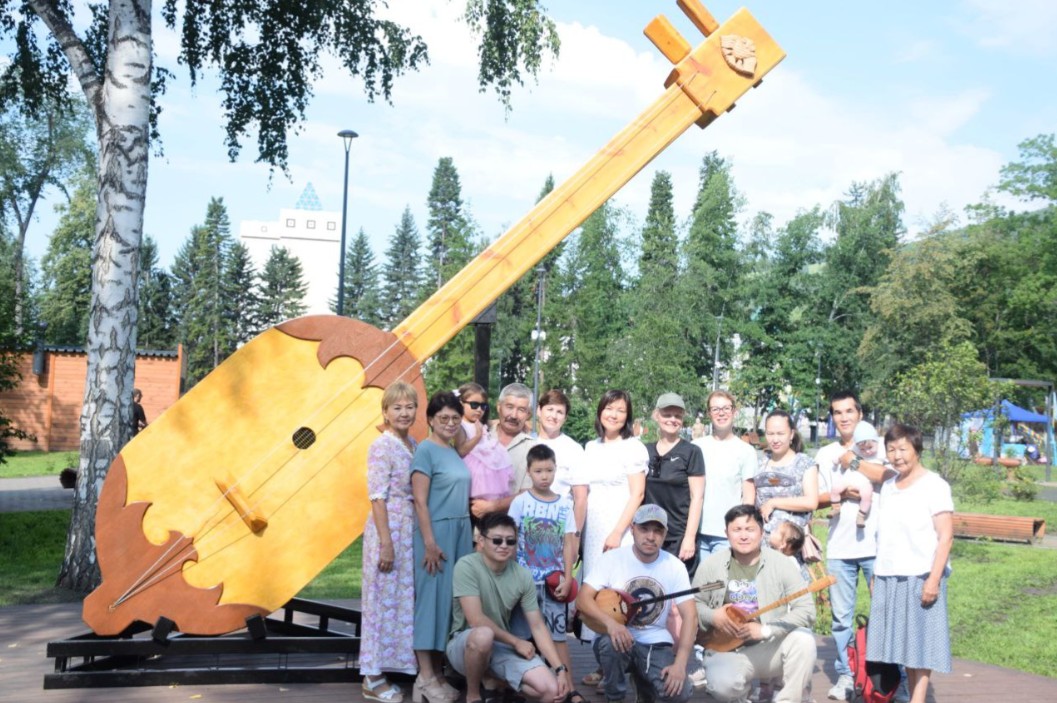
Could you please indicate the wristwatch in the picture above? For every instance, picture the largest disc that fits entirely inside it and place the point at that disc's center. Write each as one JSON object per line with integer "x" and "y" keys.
{"x": 766, "y": 632}
{"x": 854, "y": 463}
{"x": 560, "y": 668}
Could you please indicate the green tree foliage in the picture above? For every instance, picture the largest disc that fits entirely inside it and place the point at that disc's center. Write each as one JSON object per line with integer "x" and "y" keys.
{"x": 933, "y": 394}
{"x": 450, "y": 248}
{"x": 38, "y": 151}
{"x": 66, "y": 268}
{"x": 655, "y": 312}
{"x": 157, "y": 319}
{"x": 918, "y": 304}
{"x": 589, "y": 315}
{"x": 200, "y": 271}
{"x": 777, "y": 362}
{"x": 517, "y": 35}
{"x": 448, "y": 231}
{"x": 709, "y": 287}
{"x": 1034, "y": 177}
{"x": 401, "y": 272}
{"x": 10, "y": 341}
{"x": 240, "y": 296}
{"x": 513, "y": 348}
{"x": 869, "y": 226}
{"x": 281, "y": 289}
{"x": 362, "y": 294}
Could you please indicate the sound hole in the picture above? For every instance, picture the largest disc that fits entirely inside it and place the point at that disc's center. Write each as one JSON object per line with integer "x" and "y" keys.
{"x": 304, "y": 438}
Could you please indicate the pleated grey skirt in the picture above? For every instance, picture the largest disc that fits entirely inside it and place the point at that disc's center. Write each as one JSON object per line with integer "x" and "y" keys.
{"x": 902, "y": 631}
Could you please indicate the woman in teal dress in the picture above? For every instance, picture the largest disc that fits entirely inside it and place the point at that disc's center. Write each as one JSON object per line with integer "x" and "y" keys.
{"x": 440, "y": 485}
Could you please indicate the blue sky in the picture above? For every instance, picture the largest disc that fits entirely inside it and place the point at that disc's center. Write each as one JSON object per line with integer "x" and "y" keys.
{"x": 941, "y": 92}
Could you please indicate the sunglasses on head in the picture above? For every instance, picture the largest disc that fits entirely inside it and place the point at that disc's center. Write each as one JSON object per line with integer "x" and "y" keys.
{"x": 477, "y": 405}
{"x": 498, "y": 541}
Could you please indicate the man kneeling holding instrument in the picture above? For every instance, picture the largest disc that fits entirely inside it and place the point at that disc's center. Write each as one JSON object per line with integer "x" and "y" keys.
{"x": 643, "y": 645}
{"x": 760, "y": 625}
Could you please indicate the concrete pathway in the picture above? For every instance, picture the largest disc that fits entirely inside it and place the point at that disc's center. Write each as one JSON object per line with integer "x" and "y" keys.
{"x": 19, "y": 495}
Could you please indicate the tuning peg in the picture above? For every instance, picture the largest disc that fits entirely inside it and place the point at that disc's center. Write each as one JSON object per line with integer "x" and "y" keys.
{"x": 699, "y": 15}
{"x": 667, "y": 39}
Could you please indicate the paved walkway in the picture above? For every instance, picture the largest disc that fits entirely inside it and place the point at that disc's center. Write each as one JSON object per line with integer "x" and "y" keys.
{"x": 19, "y": 495}
{"x": 26, "y": 630}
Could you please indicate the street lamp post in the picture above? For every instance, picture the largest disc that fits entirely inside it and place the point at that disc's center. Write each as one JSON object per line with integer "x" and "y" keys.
{"x": 347, "y": 135}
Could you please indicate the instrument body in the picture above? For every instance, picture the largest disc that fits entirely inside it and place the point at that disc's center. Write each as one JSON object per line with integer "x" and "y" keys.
{"x": 622, "y": 607}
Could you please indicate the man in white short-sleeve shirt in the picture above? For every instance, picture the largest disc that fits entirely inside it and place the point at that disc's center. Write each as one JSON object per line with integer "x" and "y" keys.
{"x": 729, "y": 463}
{"x": 850, "y": 549}
{"x": 644, "y": 645}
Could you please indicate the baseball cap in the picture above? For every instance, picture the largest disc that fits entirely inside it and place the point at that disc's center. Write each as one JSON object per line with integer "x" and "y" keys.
{"x": 670, "y": 400}
{"x": 650, "y": 513}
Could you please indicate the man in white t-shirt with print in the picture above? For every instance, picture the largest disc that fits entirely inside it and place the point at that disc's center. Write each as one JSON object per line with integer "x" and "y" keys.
{"x": 644, "y": 645}
{"x": 729, "y": 463}
{"x": 850, "y": 549}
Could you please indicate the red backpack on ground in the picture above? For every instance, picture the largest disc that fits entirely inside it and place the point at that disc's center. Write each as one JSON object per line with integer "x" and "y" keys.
{"x": 875, "y": 682}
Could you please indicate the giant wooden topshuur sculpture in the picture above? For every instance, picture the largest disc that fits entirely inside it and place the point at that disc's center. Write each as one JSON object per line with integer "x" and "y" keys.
{"x": 237, "y": 496}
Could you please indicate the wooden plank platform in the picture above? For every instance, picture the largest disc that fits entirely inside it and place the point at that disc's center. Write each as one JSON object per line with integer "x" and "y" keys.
{"x": 1005, "y": 528}
{"x": 26, "y": 630}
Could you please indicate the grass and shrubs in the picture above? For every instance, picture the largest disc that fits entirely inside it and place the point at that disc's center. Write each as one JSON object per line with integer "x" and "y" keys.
{"x": 25, "y": 464}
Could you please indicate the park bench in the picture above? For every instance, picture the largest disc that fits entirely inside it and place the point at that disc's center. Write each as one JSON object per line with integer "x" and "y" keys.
{"x": 1006, "y": 528}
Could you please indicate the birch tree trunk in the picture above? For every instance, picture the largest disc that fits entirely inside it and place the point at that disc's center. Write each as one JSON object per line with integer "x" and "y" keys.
{"x": 121, "y": 102}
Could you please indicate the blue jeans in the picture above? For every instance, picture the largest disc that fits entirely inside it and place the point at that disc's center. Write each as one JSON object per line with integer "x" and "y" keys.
{"x": 842, "y": 601}
{"x": 708, "y": 544}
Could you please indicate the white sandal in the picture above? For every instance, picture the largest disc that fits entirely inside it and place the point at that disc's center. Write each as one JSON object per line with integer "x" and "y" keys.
{"x": 382, "y": 691}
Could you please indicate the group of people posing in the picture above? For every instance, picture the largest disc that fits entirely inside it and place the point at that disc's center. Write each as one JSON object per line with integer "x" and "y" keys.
{"x": 470, "y": 550}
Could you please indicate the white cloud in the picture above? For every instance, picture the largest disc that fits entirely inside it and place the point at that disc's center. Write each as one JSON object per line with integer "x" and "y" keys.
{"x": 1023, "y": 27}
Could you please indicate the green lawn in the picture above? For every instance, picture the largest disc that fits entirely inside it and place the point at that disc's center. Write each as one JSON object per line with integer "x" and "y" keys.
{"x": 37, "y": 464}
{"x": 31, "y": 547}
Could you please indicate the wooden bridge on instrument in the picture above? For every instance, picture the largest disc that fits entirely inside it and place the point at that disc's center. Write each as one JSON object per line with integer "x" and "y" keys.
{"x": 26, "y": 630}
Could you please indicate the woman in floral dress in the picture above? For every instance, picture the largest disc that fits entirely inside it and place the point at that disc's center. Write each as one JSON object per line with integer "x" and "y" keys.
{"x": 388, "y": 604}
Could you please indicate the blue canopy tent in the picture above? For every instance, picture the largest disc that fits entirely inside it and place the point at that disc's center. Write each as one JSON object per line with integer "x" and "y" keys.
{"x": 982, "y": 422}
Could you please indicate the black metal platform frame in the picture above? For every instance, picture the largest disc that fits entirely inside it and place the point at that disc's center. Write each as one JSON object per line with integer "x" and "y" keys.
{"x": 269, "y": 650}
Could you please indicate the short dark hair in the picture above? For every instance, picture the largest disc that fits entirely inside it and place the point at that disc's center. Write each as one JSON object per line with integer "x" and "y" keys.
{"x": 539, "y": 452}
{"x": 611, "y": 396}
{"x": 910, "y": 433}
{"x": 554, "y": 397}
{"x": 795, "y": 538}
{"x": 441, "y": 400}
{"x": 490, "y": 521}
{"x": 744, "y": 510}
{"x": 844, "y": 395}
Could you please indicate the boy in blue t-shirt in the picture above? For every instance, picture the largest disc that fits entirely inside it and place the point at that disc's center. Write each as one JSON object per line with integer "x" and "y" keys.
{"x": 544, "y": 520}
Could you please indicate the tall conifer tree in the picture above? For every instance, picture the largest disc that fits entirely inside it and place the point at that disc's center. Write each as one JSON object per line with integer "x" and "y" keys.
{"x": 401, "y": 275}
{"x": 281, "y": 289}
{"x": 362, "y": 295}
{"x": 240, "y": 297}
{"x": 157, "y": 326}
{"x": 711, "y": 280}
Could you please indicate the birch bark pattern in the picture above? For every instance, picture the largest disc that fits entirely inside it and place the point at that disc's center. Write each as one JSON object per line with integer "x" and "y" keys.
{"x": 120, "y": 100}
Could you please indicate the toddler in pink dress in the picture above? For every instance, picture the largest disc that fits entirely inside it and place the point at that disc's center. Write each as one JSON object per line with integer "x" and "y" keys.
{"x": 490, "y": 468}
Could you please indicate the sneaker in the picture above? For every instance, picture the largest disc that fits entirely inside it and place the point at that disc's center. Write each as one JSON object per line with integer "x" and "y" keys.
{"x": 697, "y": 678}
{"x": 842, "y": 690}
